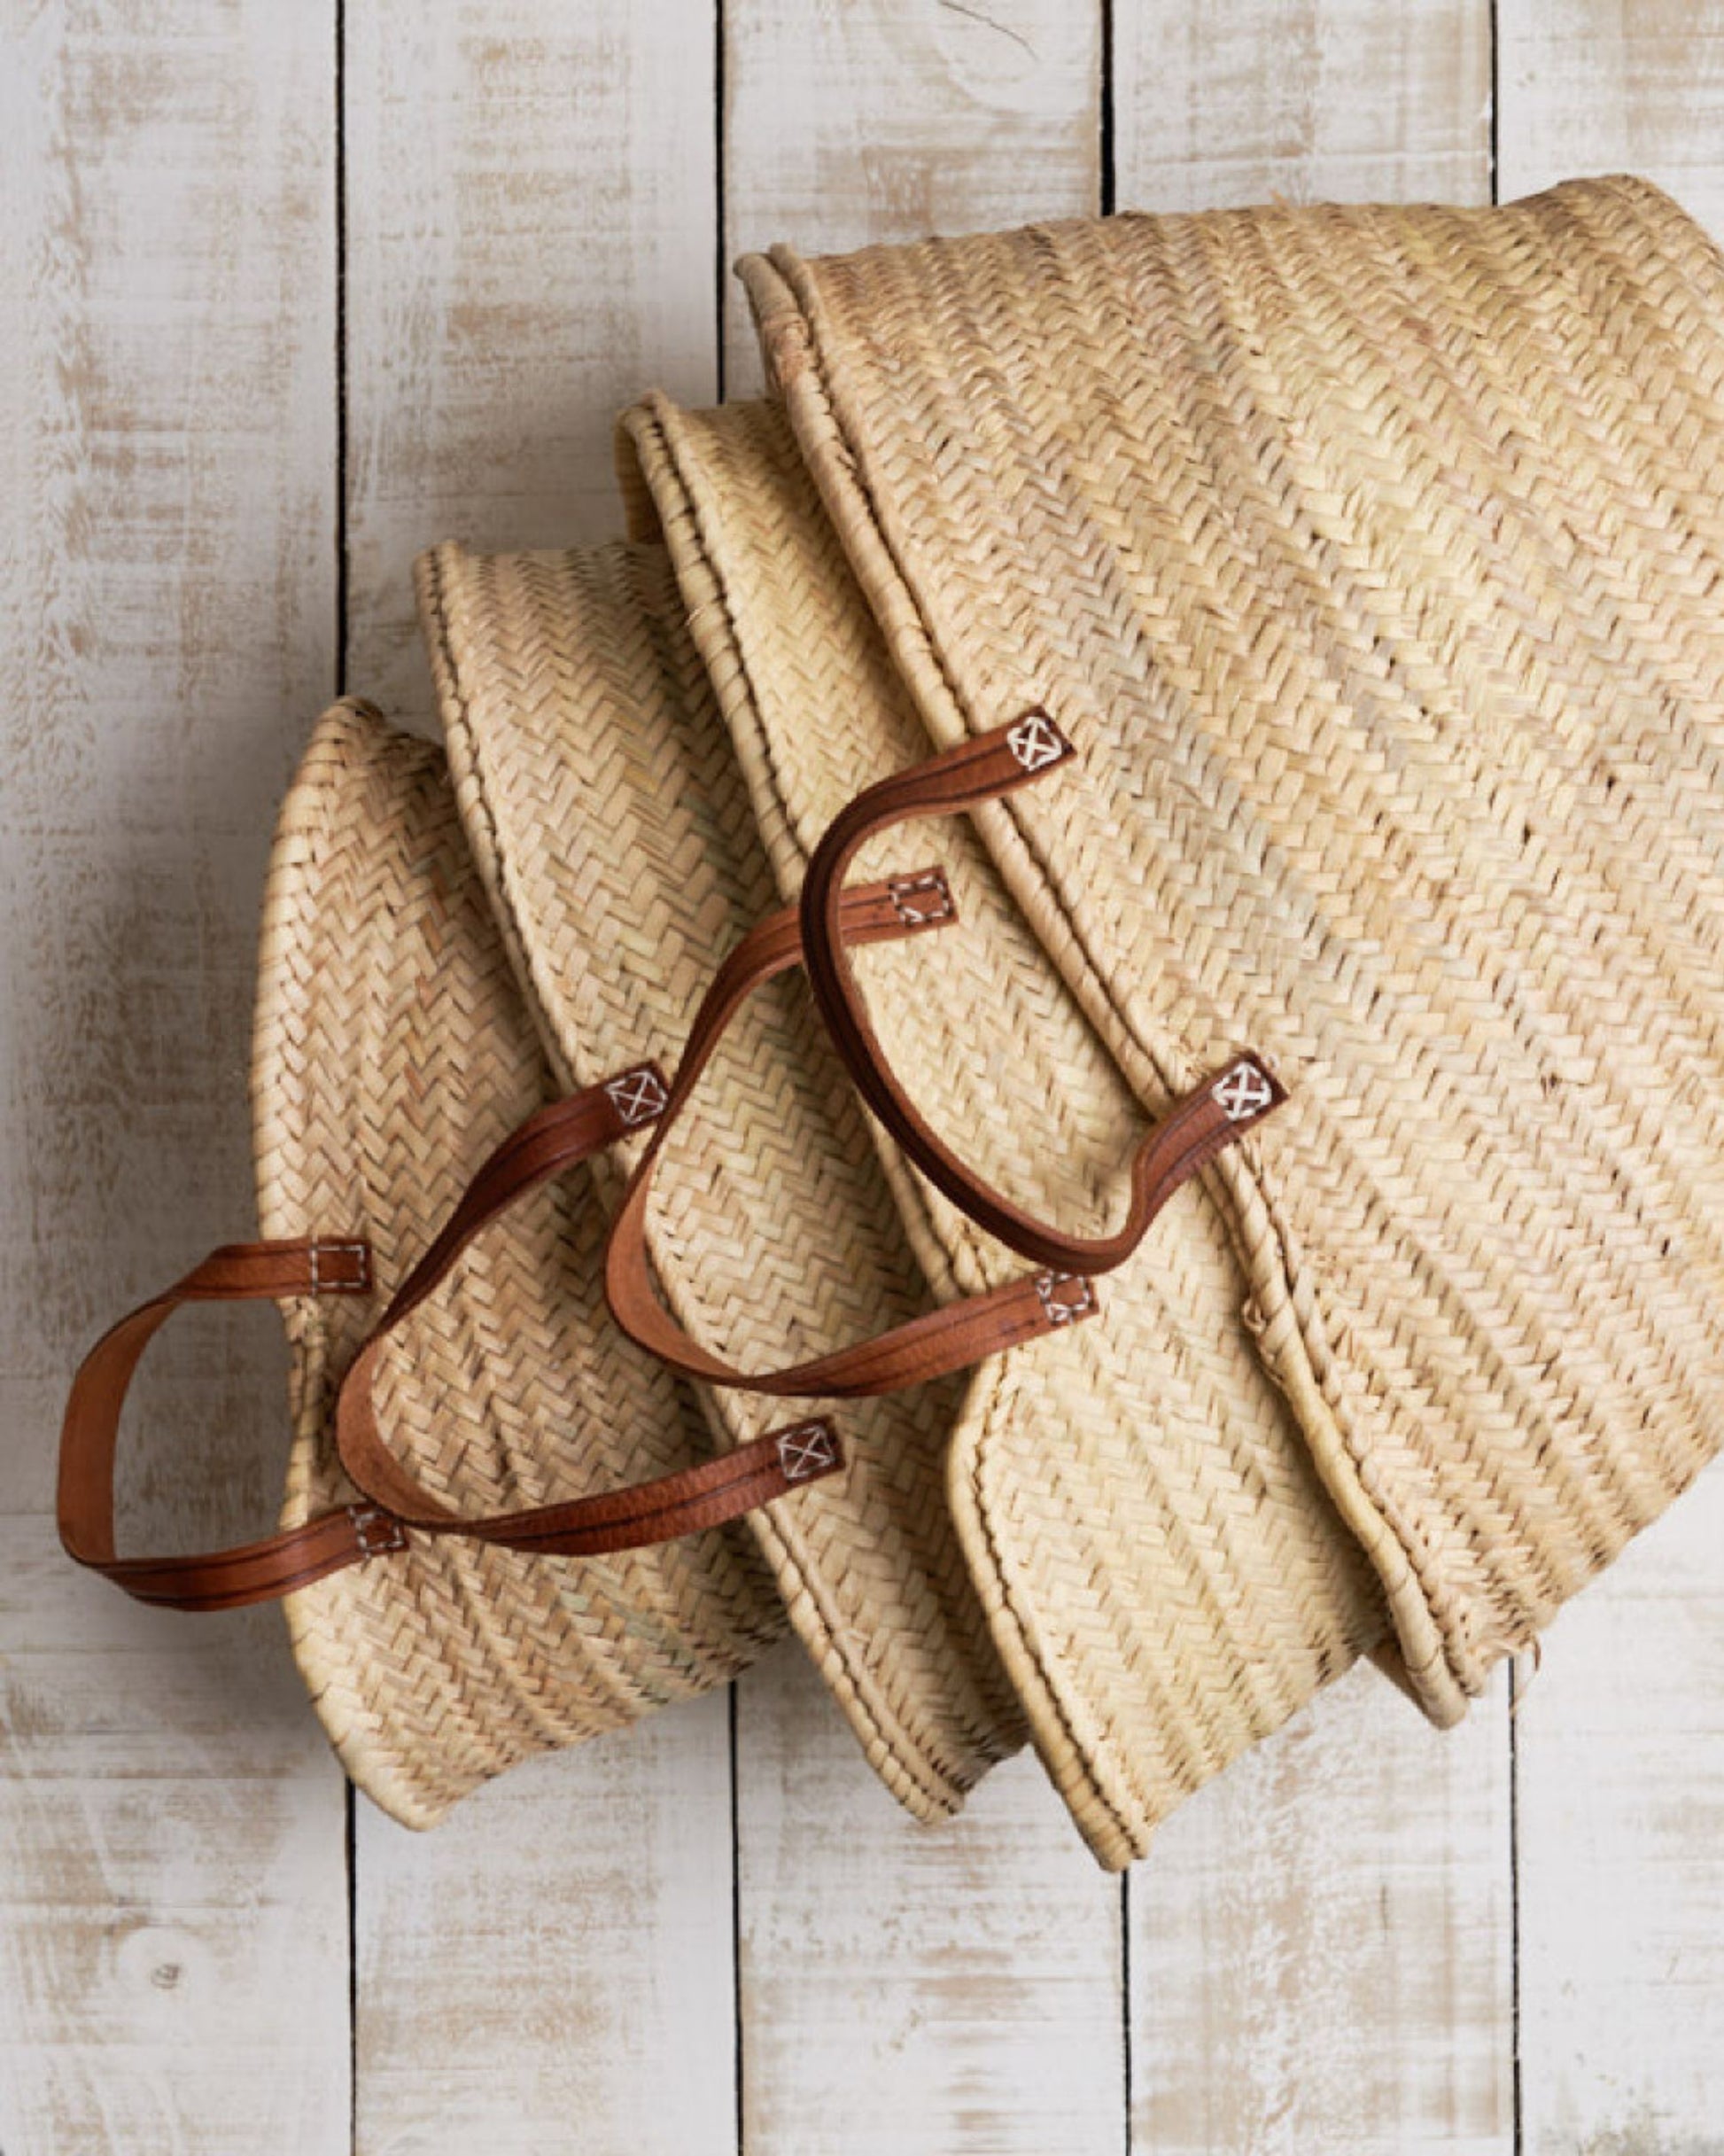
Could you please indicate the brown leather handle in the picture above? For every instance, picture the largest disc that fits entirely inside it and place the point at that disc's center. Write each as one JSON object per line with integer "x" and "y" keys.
{"x": 1210, "y": 1118}
{"x": 572, "y": 1130}
{"x": 953, "y": 1337}
{"x": 677, "y": 1503}
{"x": 554, "y": 1138}
{"x": 220, "y": 1579}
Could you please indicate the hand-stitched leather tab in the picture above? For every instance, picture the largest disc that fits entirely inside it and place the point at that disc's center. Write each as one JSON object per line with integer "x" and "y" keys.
{"x": 981, "y": 768}
{"x": 921, "y": 901}
{"x": 1245, "y": 1090}
{"x": 1066, "y": 1296}
{"x": 1036, "y": 743}
{"x": 809, "y": 1449}
{"x": 640, "y": 1095}
{"x": 339, "y": 1268}
{"x": 375, "y": 1531}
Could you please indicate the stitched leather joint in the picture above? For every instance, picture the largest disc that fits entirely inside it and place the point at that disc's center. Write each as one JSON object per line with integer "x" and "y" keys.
{"x": 375, "y": 1531}
{"x": 339, "y": 1268}
{"x": 1066, "y": 1296}
{"x": 808, "y": 1450}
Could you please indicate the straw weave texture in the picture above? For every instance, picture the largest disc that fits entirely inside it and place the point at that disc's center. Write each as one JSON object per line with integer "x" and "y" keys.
{"x": 606, "y": 813}
{"x": 391, "y": 1051}
{"x": 1167, "y": 1581}
{"x": 1374, "y": 560}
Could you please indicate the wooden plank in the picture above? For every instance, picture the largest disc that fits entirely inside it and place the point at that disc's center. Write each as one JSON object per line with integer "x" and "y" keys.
{"x": 551, "y": 1967}
{"x": 1586, "y": 86}
{"x": 173, "y": 1890}
{"x": 1320, "y": 1941}
{"x": 909, "y": 1991}
{"x": 173, "y": 1903}
{"x": 530, "y": 211}
{"x": 531, "y": 193}
{"x": 1619, "y": 1751}
{"x": 846, "y": 123}
{"x": 1620, "y": 1737}
{"x": 902, "y": 1988}
{"x": 1309, "y": 100}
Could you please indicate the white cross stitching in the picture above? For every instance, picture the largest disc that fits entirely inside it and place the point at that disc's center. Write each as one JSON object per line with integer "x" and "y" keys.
{"x": 1036, "y": 742}
{"x": 1065, "y": 1295}
{"x": 918, "y": 898}
{"x": 637, "y": 1096}
{"x": 1243, "y": 1092}
{"x": 805, "y": 1449}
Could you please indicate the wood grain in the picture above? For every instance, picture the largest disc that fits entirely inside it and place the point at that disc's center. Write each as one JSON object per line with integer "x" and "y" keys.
{"x": 1619, "y": 1751}
{"x": 531, "y": 205}
{"x": 1613, "y": 86}
{"x": 1309, "y": 100}
{"x": 173, "y": 1897}
{"x": 551, "y": 1969}
{"x": 173, "y": 1908}
{"x": 530, "y": 193}
{"x": 909, "y": 1990}
{"x": 875, "y": 120}
{"x": 1321, "y": 1942}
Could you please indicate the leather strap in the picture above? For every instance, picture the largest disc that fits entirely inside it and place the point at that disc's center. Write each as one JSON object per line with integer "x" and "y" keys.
{"x": 985, "y": 768}
{"x": 262, "y": 1571}
{"x": 222, "y": 1579}
{"x": 556, "y": 1138}
{"x": 572, "y": 1130}
{"x": 953, "y": 1337}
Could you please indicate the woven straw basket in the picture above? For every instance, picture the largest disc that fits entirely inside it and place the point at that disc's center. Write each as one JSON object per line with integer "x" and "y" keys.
{"x": 1319, "y": 615}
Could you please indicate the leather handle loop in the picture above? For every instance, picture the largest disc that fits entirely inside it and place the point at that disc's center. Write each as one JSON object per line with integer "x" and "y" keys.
{"x": 572, "y": 1130}
{"x": 553, "y": 1140}
{"x": 953, "y": 1337}
{"x": 220, "y": 1579}
{"x": 985, "y": 768}
{"x": 707, "y": 1495}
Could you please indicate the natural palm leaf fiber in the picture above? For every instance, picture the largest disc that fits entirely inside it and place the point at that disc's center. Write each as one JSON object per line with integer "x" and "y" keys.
{"x": 1207, "y": 1586}
{"x": 392, "y": 1050}
{"x": 1372, "y": 557}
{"x": 1369, "y": 557}
{"x": 1348, "y": 583}
{"x": 611, "y": 826}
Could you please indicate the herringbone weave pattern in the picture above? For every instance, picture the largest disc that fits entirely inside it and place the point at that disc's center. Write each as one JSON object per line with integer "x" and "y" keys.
{"x": 1206, "y": 1587}
{"x": 392, "y": 1051}
{"x": 1374, "y": 560}
{"x": 610, "y": 822}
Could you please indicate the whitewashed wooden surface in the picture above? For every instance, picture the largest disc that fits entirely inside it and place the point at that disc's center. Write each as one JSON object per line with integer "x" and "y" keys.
{"x": 289, "y": 291}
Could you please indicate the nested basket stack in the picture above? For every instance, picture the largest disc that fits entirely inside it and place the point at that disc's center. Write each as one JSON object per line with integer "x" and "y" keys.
{"x": 1366, "y": 565}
